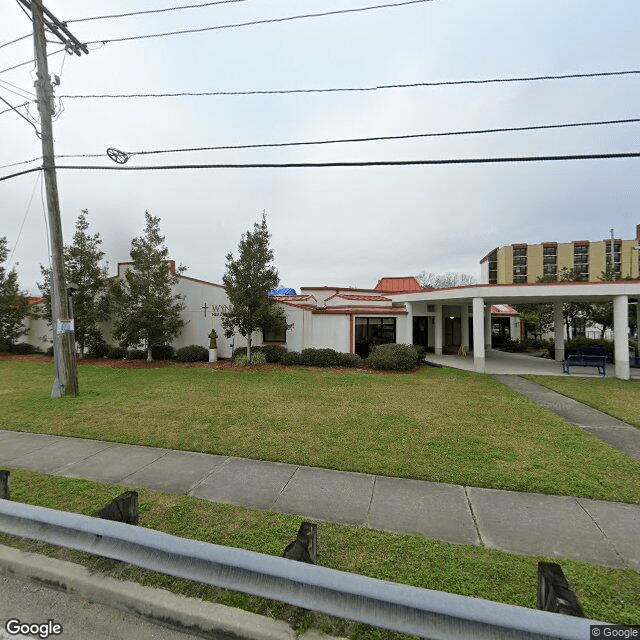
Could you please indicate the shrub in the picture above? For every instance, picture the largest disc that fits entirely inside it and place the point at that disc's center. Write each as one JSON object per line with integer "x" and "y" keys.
{"x": 5, "y": 347}
{"x": 96, "y": 346}
{"x": 273, "y": 352}
{"x": 257, "y": 358}
{"x": 136, "y": 354}
{"x": 192, "y": 353}
{"x": 23, "y": 349}
{"x": 394, "y": 357}
{"x": 291, "y": 358}
{"x": 162, "y": 352}
{"x": 49, "y": 351}
{"x": 319, "y": 357}
{"x": 513, "y": 346}
{"x": 573, "y": 345}
{"x": 347, "y": 360}
{"x": 116, "y": 353}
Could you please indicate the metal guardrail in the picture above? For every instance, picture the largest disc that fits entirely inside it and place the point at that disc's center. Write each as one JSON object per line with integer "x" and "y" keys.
{"x": 433, "y": 615}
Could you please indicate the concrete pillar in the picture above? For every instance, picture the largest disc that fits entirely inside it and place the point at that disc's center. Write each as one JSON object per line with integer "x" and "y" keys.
{"x": 437, "y": 344}
{"x": 558, "y": 328}
{"x": 621, "y": 336}
{"x": 464, "y": 320}
{"x": 407, "y": 338}
{"x": 487, "y": 327}
{"x": 478, "y": 334}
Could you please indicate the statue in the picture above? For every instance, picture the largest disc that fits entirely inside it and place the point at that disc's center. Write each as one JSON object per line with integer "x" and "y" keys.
{"x": 212, "y": 339}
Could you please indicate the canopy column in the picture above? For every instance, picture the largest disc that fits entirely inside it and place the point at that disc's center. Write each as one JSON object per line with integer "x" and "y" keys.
{"x": 558, "y": 328}
{"x": 464, "y": 321}
{"x": 479, "y": 334}
{"x": 621, "y": 336}
{"x": 437, "y": 338}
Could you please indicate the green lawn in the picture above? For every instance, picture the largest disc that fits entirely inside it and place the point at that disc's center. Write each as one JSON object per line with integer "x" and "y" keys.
{"x": 605, "y": 594}
{"x": 618, "y": 398}
{"x": 436, "y": 424}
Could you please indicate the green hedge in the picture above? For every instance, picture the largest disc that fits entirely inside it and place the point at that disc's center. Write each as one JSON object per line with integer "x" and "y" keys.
{"x": 272, "y": 352}
{"x": 394, "y": 357}
{"x": 327, "y": 358}
{"x": 291, "y": 358}
{"x": 192, "y": 353}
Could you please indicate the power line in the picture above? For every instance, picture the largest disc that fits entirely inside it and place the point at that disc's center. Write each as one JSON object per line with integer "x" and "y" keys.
{"x": 20, "y": 92}
{"x": 6, "y": 44}
{"x": 140, "y": 13}
{"x": 24, "y": 104}
{"x": 22, "y": 64}
{"x": 410, "y": 85}
{"x": 256, "y": 22}
{"x": 21, "y": 115}
{"x": 378, "y": 138}
{"x": 316, "y": 165}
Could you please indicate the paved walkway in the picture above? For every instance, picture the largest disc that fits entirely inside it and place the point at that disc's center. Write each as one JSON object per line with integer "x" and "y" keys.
{"x": 530, "y": 524}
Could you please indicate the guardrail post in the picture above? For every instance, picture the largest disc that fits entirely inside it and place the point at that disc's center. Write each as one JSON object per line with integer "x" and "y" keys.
{"x": 124, "y": 508}
{"x": 4, "y": 485}
{"x": 554, "y": 593}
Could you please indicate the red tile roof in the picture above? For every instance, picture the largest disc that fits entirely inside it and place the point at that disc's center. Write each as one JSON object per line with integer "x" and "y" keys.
{"x": 405, "y": 284}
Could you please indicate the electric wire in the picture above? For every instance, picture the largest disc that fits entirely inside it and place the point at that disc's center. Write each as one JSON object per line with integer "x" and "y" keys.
{"x": 22, "y": 64}
{"x": 24, "y": 104}
{"x": 26, "y": 92}
{"x": 256, "y": 22}
{"x": 411, "y": 85}
{"x": 16, "y": 164}
{"x": 24, "y": 219}
{"x": 21, "y": 115}
{"x": 6, "y": 44}
{"x": 141, "y": 13}
{"x": 318, "y": 165}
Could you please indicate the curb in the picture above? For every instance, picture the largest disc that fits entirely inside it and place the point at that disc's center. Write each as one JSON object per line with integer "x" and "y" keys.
{"x": 188, "y": 615}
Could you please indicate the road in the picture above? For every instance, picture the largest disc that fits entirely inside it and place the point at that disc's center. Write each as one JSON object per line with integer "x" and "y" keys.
{"x": 80, "y": 620}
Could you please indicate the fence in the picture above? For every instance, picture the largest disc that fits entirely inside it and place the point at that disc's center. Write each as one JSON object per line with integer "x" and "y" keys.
{"x": 428, "y": 614}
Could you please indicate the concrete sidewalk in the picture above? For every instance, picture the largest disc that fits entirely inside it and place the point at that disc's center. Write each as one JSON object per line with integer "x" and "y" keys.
{"x": 530, "y": 524}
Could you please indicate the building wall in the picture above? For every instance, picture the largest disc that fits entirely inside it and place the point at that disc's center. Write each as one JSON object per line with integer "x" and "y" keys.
{"x": 565, "y": 256}
{"x": 534, "y": 262}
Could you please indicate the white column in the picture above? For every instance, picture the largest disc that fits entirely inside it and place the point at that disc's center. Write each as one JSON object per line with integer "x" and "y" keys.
{"x": 408, "y": 332}
{"x": 437, "y": 338}
{"x": 621, "y": 336}
{"x": 478, "y": 334}
{"x": 558, "y": 328}
{"x": 464, "y": 320}
{"x": 487, "y": 326}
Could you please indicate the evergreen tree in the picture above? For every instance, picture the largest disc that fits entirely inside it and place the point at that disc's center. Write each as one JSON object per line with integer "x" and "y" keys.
{"x": 82, "y": 262}
{"x": 13, "y": 303}
{"x": 148, "y": 311}
{"x": 247, "y": 281}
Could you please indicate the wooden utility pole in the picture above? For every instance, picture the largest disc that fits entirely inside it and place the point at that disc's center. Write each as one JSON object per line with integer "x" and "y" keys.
{"x": 66, "y": 382}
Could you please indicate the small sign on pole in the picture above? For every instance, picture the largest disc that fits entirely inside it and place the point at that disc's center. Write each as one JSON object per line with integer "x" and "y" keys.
{"x": 65, "y": 325}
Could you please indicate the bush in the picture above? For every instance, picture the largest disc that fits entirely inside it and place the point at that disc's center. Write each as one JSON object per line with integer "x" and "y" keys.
{"x": 572, "y": 346}
{"x": 136, "y": 354}
{"x": 96, "y": 346}
{"x": 273, "y": 352}
{"x": 257, "y": 358}
{"x": 49, "y": 351}
{"x": 347, "y": 360}
{"x": 513, "y": 346}
{"x": 5, "y": 347}
{"x": 290, "y": 358}
{"x": 394, "y": 357}
{"x": 23, "y": 349}
{"x": 192, "y": 353}
{"x": 116, "y": 353}
{"x": 162, "y": 352}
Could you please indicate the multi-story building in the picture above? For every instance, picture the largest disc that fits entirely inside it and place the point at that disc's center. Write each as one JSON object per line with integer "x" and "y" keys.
{"x": 521, "y": 263}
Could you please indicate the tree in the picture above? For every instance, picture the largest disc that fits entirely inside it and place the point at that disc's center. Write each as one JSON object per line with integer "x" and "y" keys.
{"x": 13, "y": 303}
{"x": 82, "y": 267}
{"x": 444, "y": 280}
{"x": 247, "y": 282}
{"x": 148, "y": 312}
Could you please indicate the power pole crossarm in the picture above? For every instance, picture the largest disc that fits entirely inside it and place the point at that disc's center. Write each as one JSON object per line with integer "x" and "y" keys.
{"x": 62, "y": 321}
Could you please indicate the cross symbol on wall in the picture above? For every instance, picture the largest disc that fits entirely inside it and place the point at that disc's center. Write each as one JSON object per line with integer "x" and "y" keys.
{"x": 205, "y": 307}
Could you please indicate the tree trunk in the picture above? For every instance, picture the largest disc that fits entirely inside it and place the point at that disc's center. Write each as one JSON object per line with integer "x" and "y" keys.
{"x": 249, "y": 349}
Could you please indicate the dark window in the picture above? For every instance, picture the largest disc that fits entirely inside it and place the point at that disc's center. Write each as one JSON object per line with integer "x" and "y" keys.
{"x": 373, "y": 331}
{"x": 520, "y": 265}
{"x": 581, "y": 260}
{"x": 493, "y": 267}
{"x": 278, "y": 334}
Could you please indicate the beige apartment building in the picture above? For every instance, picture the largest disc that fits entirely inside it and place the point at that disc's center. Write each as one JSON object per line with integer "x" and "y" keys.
{"x": 522, "y": 263}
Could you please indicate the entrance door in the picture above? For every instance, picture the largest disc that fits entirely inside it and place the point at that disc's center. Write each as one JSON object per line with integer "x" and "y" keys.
{"x": 420, "y": 331}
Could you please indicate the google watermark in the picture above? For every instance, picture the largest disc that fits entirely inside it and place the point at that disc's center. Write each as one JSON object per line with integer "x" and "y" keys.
{"x": 42, "y": 630}
{"x": 613, "y": 631}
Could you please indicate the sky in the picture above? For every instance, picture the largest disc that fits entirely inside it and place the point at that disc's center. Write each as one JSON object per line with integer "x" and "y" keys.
{"x": 330, "y": 226}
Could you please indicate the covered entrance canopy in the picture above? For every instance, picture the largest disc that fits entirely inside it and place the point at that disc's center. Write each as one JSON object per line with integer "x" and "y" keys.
{"x": 475, "y": 301}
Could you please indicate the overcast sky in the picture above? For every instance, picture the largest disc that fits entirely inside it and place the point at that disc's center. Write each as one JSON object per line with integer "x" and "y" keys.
{"x": 332, "y": 226}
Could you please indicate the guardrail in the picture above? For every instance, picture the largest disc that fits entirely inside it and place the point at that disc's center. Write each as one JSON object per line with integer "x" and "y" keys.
{"x": 433, "y": 615}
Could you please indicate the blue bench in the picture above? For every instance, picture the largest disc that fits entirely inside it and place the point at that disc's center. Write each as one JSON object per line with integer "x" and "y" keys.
{"x": 599, "y": 362}
{"x": 634, "y": 361}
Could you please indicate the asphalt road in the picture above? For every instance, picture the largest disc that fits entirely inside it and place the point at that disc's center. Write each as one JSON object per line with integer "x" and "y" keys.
{"x": 80, "y": 620}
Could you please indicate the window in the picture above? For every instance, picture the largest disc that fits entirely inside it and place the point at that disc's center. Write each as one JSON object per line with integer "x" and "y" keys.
{"x": 617, "y": 257}
{"x": 373, "y": 331}
{"x": 581, "y": 260}
{"x": 275, "y": 334}
{"x": 493, "y": 267}
{"x": 520, "y": 264}
{"x": 550, "y": 261}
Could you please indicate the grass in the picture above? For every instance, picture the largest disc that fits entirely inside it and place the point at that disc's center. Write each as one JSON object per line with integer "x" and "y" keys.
{"x": 618, "y": 398}
{"x": 441, "y": 425}
{"x": 610, "y": 595}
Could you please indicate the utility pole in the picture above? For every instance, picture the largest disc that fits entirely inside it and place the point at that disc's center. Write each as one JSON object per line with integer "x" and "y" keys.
{"x": 62, "y": 325}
